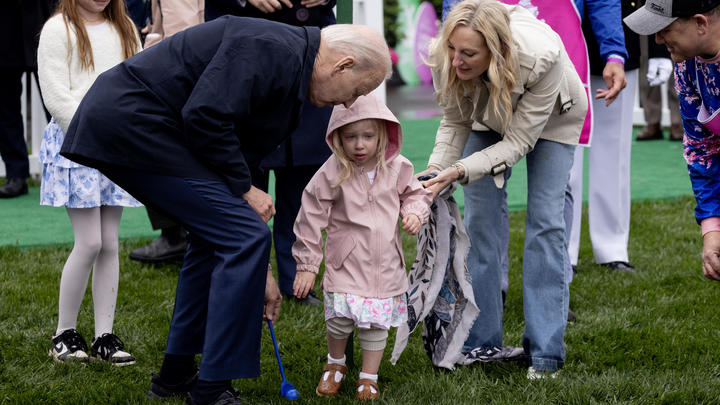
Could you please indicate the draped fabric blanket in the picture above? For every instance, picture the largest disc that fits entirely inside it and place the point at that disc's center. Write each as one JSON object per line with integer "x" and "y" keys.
{"x": 440, "y": 291}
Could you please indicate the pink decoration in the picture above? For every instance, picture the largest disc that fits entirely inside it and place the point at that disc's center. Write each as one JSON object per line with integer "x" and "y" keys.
{"x": 426, "y": 27}
{"x": 563, "y": 18}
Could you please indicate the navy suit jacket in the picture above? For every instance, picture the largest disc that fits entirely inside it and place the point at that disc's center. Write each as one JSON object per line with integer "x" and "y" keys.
{"x": 207, "y": 102}
{"x": 307, "y": 145}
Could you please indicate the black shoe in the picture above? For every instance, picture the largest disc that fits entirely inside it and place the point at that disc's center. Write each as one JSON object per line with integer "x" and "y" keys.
{"x": 311, "y": 299}
{"x": 620, "y": 266}
{"x": 69, "y": 345}
{"x": 110, "y": 348}
{"x": 13, "y": 188}
{"x": 161, "y": 390}
{"x": 571, "y": 316}
{"x": 229, "y": 397}
{"x": 160, "y": 250}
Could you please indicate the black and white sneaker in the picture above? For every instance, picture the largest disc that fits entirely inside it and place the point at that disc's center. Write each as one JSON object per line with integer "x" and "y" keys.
{"x": 109, "y": 347}
{"x": 69, "y": 345}
{"x": 493, "y": 354}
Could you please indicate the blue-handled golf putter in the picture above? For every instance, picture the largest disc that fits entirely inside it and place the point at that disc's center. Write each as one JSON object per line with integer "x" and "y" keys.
{"x": 286, "y": 389}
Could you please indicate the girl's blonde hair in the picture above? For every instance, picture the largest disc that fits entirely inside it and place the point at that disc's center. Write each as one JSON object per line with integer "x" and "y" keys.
{"x": 491, "y": 20}
{"x": 347, "y": 164}
{"x": 117, "y": 16}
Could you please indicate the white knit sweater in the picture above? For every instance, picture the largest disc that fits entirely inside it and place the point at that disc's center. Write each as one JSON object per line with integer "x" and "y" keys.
{"x": 62, "y": 81}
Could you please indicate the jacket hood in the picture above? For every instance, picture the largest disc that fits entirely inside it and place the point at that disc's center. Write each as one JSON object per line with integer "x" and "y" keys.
{"x": 363, "y": 108}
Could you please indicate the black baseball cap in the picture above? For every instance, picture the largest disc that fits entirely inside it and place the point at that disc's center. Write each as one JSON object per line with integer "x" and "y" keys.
{"x": 658, "y": 14}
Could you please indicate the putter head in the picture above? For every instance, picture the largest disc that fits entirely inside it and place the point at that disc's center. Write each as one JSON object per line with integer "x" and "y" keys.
{"x": 288, "y": 391}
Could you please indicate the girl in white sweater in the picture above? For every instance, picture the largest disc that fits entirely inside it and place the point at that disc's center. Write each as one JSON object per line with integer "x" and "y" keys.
{"x": 83, "y": 39}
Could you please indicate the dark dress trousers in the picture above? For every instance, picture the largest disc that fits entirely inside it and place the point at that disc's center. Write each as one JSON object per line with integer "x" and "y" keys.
{"x": 297, "y": 159}
{"x": 179, "y": 126}
{"x": 20, "y": 25}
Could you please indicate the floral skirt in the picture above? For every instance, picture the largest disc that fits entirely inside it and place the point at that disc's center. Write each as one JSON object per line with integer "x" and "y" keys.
{"x": 381, "y": 313}
{"x": 66, "y": 183}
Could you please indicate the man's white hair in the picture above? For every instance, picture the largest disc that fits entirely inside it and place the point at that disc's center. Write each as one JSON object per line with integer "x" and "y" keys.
{"x": 364, "y": 43}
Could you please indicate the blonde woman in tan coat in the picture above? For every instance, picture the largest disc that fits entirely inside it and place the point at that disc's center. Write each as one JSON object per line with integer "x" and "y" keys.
{"x": 499, "y": 66}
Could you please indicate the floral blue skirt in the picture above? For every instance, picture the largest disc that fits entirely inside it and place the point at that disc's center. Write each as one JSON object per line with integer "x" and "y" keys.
{"x": 66, "y": 183}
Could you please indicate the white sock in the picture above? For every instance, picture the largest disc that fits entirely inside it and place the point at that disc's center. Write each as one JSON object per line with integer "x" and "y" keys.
{"x": 340, "y": 361}
{"x": 371, "y": 377}
{"x": 338, "y": 375}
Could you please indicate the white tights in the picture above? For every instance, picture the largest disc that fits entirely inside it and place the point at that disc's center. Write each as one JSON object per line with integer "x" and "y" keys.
{"x": 96, "y": 248}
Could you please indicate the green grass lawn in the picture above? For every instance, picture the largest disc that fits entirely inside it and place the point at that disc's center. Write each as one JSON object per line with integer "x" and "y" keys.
{"x": 645, "y": 338}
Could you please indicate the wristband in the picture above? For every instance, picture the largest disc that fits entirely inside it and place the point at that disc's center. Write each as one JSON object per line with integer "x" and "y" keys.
{"x": 710, "y": 224}
{"x": 616, "y": 59}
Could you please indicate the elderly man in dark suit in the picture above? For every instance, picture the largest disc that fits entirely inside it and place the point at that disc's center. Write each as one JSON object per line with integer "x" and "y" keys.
{"x": 179, "y": 126}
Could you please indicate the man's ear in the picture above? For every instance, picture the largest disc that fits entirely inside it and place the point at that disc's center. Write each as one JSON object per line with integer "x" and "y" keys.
{"x": 346, "y": 62}
{"x": 701, "y": 23}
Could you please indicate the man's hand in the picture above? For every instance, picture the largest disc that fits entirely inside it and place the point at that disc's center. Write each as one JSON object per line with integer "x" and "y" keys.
{"x": 711, "y": 255}
{"x": 411, "y": 224}
{"x": 273, "y": 298}
{"x": 312, "y": 3}
{"x": 270, "y": 6}
{"x": 304, "y": 281}
{"x": 659, "y": 71}
{"x": 614, "y": 75}
{"x": 261, "y": 202}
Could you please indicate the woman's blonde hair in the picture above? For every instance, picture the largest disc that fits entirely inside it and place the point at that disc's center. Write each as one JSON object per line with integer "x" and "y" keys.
{"x": 114, "y": 13}
{"x": 345, "y": 161}
{"x": 490, "y": 19}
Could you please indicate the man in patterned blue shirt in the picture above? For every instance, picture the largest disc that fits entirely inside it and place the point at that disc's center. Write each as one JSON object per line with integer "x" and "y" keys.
{"x": 690, "y": 29}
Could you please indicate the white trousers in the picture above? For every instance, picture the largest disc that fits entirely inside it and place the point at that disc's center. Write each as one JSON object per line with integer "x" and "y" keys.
{"x": 608, "y": 176}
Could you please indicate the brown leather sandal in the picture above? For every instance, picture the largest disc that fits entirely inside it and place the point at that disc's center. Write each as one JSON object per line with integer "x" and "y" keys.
{"x": 367, "y": 394}
{"x": 329, "y": 387}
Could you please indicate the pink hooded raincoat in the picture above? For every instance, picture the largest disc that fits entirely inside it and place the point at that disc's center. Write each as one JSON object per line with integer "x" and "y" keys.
{"x": 363, "y": 252}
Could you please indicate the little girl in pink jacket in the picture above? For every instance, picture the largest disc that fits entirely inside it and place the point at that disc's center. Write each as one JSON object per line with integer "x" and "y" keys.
{"x": 356, "y": 197}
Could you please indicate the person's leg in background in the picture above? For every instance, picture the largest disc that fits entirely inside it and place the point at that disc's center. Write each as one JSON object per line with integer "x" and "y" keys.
{"x": 170, "y": 245}
{"x": 289, "y": 185}
{"x": 650, "y": 98}
{"x": 573, "y": 206}
{"x": 13, "y": 148}
{"x": 609, "y": 177}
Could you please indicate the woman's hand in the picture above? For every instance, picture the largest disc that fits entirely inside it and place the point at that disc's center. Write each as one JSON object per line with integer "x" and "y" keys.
{"x": 273, "y": 298}
{"x": 429, "y": 170}
{"x": 304, "y": 281}
{"x": 411, "y": 224}
{"x": 442, "y": 180}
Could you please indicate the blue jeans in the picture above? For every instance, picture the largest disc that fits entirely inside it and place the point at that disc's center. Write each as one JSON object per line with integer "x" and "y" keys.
{"x": 545, "y": 257}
